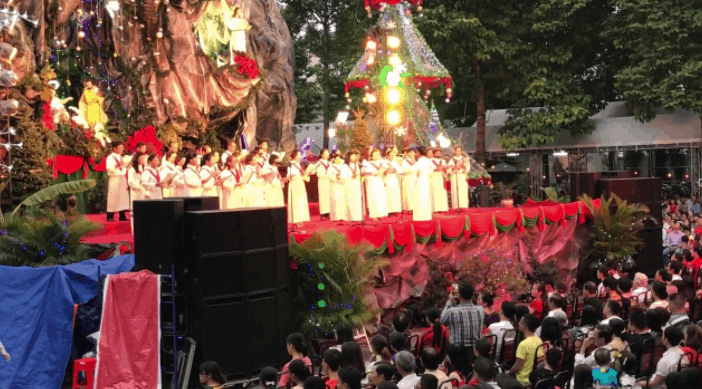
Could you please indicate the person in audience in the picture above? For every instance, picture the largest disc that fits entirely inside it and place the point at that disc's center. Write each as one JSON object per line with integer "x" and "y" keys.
{"x": 269, "y": 377}
{"x": 546, "y": 370}
{"x": 656, "y": 319}
{"x": 331, "y": 363}
{"x": 618, "y": 326}
{"x": 640, "y": 287}
{"x": 519, "y": 312}
{"x": 638, "y": 330}
{"x": 693, "y": 341}
{"x": 662, "y": 275}
{"x": 387, "y": 385}
{"x": 528, "y": 350}
{"x": 381, "y": 351}
{"x": 505, "y": 381}
{"x": 211, "y": 375}
{"x": 612, "y": 309}
{"x": 299, "y": 371}
{"x": 398, "y": 343}
{"x": 588, "y": 321}
{"x": 431, "y": 359}
{"x": 343, "y": 333}
{"x": 485, "y": 372}
{"x": 487, "y": 301}
{"x": 624, "y": 287}
{"x": 404, "y": 362}
{"x": 628, "y": 370}
{"x": 437, "y": 336}
{"x": 385, "y": 331}
{"x": 590, "y": 298}
{"x": 297, "y": 349}
{"x": 555, "y": 308}
{"x": 603, "y": 374}
{"x": 582, "y": 377}
{"x": 428, "y": 381}
{"x": 611, "y": 290}
{"x": 539, "y": 304}
{"x": 678, "y": 314}
{"x": 456, "y": 363}
{"x": 506, "y": 323}
{"x": 381, "y": 372}
{"x": 694, "y": 379}
{"x": 349, "y": 378}
{"x": 352, "y": 356}
{"x": 675, "y": 268}
{"x": 601, "y": 337}
{"x": 465, "y": 320}
{"x": 314, "y": 382}
{"x": 551, "y": 332}
{"x": 401, "y": 322}
{"x": 671, "y": 359}
{"x": 659, "y": 293}
{"x": 483, "y": 348}
{"x": 676, "y": 380}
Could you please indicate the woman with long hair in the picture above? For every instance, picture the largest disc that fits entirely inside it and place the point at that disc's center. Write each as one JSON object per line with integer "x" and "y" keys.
{"x": 232, "y": 187}
{"x": 168, "y": 172}
{"x": 423, "y": 168}
{"x": 193, "y": 182}
{"x": 321, "y": 169}
{"x": 151, "y": 179}
{"x": 439, "y": 196}
{"x": 409, "y": 180}
{"x": 352, "y": 356}
{"x": 456, "y": 364}
{"x": 211, "y": 375}
{"x": 337, "y": 176}
{"x": 274, "y": 183}
{"x": 392, "y": 180}
{"x": 436, "y": 336}
{"x": 354, "y": 191}
{"x": 297, "y": 349}
{"x": 376, "y": 199}
{"x": 459, "y": 166}
{"x": 298, "y": 208}
{"x": 209, "y": 175}
{"x": 134, "y": 173}
{"x": 179, "y": 178}
{"x": 254, "y": 193}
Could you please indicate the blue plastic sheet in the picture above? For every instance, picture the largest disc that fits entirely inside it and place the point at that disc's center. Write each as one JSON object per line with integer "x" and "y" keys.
{"x": 36, "y": 312}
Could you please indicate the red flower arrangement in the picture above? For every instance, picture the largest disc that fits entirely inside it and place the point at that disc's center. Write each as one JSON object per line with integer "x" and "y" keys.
{"x": 146, "y": 135}
{"x": 247, "y": 66}
{"x": 377, "y": 4}
{"x": 47, "y": 120}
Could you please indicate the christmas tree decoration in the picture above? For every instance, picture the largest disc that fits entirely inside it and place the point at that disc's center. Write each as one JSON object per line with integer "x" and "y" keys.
{"x": 360, "y": 137}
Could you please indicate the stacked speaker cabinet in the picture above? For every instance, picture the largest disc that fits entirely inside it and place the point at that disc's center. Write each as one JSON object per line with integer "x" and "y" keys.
{"x": 583, "y": 183}
{"x": 239, "y": 288}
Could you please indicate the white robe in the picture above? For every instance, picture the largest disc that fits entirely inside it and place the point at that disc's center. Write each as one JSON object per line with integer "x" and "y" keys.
{"x": 422, "y": 207}
{"x": 136, "y": 189}
{"x": 298, "y": 208}
{"x": 179, "y": 183}
{"x": 193, "y": 182}
{"x": 274, "y": 189}
{"x": 167, "y": 170}
{"x": 375, "y": 190}
{"x": 339, "y": 209}
{"x": 232, "y": 192}
{"x": 409, "y": 183}
{"x": 459, "y": 186}
{"x": 393, "y": 191}
{"x": 323, "y": 186}
{"x": 439, "y": 197}
{"x": 117, "y": 188}
{"x": 150, "y": 180}
{"x": 209, "y": 188}
{"x": 225, "y": 157}
{"x": 253, "y": 188}
{"x": 353, "y": 191}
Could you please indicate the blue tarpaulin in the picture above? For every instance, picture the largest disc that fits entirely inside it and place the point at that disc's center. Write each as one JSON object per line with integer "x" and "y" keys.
{"x": 36, "y": 313}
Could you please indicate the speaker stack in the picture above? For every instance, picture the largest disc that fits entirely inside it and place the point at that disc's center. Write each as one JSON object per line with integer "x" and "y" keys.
{"x": 232, "y": 268}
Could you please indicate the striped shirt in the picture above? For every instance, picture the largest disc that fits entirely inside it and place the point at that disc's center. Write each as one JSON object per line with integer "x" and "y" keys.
{"x": 465, "y": 322}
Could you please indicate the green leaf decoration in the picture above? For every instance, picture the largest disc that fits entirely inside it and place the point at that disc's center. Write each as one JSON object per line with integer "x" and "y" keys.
{"x": 54, "y": 191}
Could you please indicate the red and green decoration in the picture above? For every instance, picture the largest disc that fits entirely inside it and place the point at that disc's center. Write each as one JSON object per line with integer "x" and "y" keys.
{"x": 381, "y": 5}
{"x": 246, "y": 66}
{"x": 392, "y": 237}
{"x": 146, "y": 135}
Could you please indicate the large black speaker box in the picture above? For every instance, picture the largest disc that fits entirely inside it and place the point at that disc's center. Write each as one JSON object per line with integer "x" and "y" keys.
{"x": 583, "y": 183}
{"x": 649, "y": 258}
{"x": 646, "y": 191}
{"x": 209, "y": 203}
{"x": 239, "y": 287}
{"x": 158, "y": 235}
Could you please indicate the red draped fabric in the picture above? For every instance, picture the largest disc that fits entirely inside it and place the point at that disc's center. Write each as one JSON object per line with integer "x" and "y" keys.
{"x": 68, "y": 164}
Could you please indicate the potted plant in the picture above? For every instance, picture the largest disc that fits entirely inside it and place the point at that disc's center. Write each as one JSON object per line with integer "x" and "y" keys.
{"x": 503, "y": 194}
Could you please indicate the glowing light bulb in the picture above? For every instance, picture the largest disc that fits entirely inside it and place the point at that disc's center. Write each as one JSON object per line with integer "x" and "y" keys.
{"x": 395, "y": 60}
{"x": 393, "y": 96}
{"x": 393, "y": 117}
{"x": 113, "y": 5}
{"x": 371, "y": 45}
{"x": 393, "y": 78}
{"x": 332, "y": 132}
{"x": 371, "y": 60}
{"x": 371, "y": 98}
{"x": 393, "y": 42}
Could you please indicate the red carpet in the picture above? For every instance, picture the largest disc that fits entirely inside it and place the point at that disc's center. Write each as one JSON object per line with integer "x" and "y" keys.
{"x": 111, "y": 232}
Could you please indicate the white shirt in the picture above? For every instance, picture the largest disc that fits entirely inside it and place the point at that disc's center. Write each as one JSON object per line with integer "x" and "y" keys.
{"x": 669, "y": 361}
{"x": 590, "y": 360}
{"x": 676, "y": 278}
{"x": 408, "y": 382}
{"x": 606, "y": 321}
{"x": 499, "y": 329}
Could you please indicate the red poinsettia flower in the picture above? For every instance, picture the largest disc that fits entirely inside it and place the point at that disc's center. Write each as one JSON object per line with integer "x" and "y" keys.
{"x": 246, "y": 66}
{"x": 46, "y": 119}
{"x": 146, "y": 135}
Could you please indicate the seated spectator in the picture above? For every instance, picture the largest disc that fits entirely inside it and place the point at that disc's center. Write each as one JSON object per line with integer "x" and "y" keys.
{"x": 628, "y": 368}
{"x": 612, "y": 310}
{"x": 384, "y": 330}
{"x": 537, "y": 306}
{"x": 582, "y": 377}
{"x": 428, "y": 381}
{"x": 675, "y": 268}
{"x": 519, "y": 312}
{"x": 352, "y": 356}
{"x": 590, "y": 298}
{"x": 671, "y": 359}
{"x": 640, "y": 287}
{"x": 551, "y": 332}
{"x": 331, "y": 363}
{"x": 211, "y": 375}
{"x": 381, "y": 350}
{"x": 401, "y": 322}
{"x": 528, "y": 350}
{"x": 588, "y": 322}
{"x": 662, "y": 275}
{"x": 555, "y": 309}
{"x": 350, "y": 378}
{"x": 618, "y": 326}
{"x": 314, "y": 382}
{"x": 506, "y": 323}
{"x": 404, "y": 362}
{"x": 485, "y": 372}
{"x": 638, "y": 330}
{"x": 297, "y": 348}
{"x": 436, "y": 336}
{"x": 548, "y": 369}
{"x": 299, "y": 371}
{"x": 269, "y": 377}
{"x": 482, "y": 348}
{"x": 678, "y": 314}
{"x": 611, "y": 288}
{"x": 457, "y": 364}
{"x": 431, "y": 359}
{"x": 602, "y": 274}
{"x": 381, "y": 372}
{"x": 676, "y": 380}
{"x": 624, "y": 287}
{"x": 387, "y": 385}
{"x": 486, "y": 301}
{"x": 603, "y": 374}
{"x": 343, "y": 334}
{"x": 561, "y": 289}
{"x": 694, "y": 379}
{"x": 398, "y": 343}
{"x": 656, "y": 319}
{"x": 601, "y": 337}
{"x": 659, "y": 293}
{"x": 693, "y": 341}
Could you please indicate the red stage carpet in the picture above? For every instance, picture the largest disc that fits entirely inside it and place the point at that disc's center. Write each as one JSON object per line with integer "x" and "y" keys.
{"x": 111, "y": 232}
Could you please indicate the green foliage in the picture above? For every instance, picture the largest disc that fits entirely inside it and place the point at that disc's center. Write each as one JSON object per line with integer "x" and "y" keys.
{"x": 30, "y": 172}
{"x": 659, "y": 47}
{"x": 335, "y": 281}
{"x": 54, "y": 191}
{"x": 503, "y": 192}
{"x": 616, "y": 228}
{"x": 43, "y": 238}
{"x": 551, "y": 193}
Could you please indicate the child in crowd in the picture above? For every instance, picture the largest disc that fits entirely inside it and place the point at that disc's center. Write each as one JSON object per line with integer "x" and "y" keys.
{"x": 603, "y": 374}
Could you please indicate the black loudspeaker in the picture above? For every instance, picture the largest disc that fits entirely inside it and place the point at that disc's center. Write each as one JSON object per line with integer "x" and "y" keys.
{"x": 210, "y": 203}
{"x": 238, "y": 287}
{"x": 649, "y": 258}
{"x": 158, "y": 235}
{"x": 583, "y": 183}
{"x": 646, "y": 191}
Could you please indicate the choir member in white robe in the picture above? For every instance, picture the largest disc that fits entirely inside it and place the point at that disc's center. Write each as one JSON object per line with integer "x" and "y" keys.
{"x": 208, "y": 175}
{"x": 338, "y": 209}
{"x": 320, "y": 169}
{"x": 298, "y": 208}
{"x": 393, "y": 192}
{"x": 193, "y": 182}
{"x": 459, "y": 166}
{"x": 231, "y": 149}
{"x": 373, "y": 172}
{"x": 117, "y": 187}
{"x": 423, "y": 168}
{"x": 354, "y": 192}
{"x": 232, "y": 186}
{"x": 167, "y": 171}
{"x": 134, "y": 178}
{"x": 263, "y": 168}
{"x": 264, "y": 146}
{"x": 439, "y": 196}
{"x": 151, "y": 179}
{"x": 409, "y": 180}
{"x": 274, "y": 195}
{"x": 172, "y": 148}
{"x": 253, "y": 182}
{"x": 179, "y": 179}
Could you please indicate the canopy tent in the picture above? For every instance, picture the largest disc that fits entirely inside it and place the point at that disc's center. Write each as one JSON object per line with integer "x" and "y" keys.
{"x": 614, "y": 129}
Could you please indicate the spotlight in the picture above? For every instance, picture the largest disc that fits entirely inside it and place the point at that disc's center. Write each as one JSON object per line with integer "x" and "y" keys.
{"x": 371, "y": 45}
{"x": 393, "y": 78}
{"x": 393, "y": 96}
{"x": 395, "y": 60}
{"x": 393, "y": 42}
{"x": 393, "y": 117}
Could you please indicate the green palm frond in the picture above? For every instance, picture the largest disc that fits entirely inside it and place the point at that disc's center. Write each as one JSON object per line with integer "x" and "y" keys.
{"x": 54, "y": 191}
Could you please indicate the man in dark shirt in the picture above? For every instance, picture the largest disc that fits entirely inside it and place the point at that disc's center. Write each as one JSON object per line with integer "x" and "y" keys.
{"x": 548, "y": 369}
{"x": 590, "y": 298}
{"x": 638, "y": 330}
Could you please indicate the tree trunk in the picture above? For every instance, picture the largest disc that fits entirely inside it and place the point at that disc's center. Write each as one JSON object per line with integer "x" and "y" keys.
{"x": 326, "y": 75}
{"x": 480, "y": 134}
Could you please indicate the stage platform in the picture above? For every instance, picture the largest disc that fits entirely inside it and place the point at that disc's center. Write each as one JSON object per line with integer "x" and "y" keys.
{"x": 111, "y": 232}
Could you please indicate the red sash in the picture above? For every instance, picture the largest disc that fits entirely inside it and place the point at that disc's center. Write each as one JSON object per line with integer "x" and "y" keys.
{"x": 438, "y": 164}
{"x": 338, "y": 171}
{"x": 157, "y": 176}
{"x": 298, "y": 167}
{"x": 237, "y": 174}
{"x": 326, "y": 167}
{"x": 355, "y": 167}
{"x": 411, "y": 162}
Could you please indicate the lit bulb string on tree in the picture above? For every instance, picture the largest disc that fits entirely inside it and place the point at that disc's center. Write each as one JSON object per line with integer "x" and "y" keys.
{"x": 380, "y": 5}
